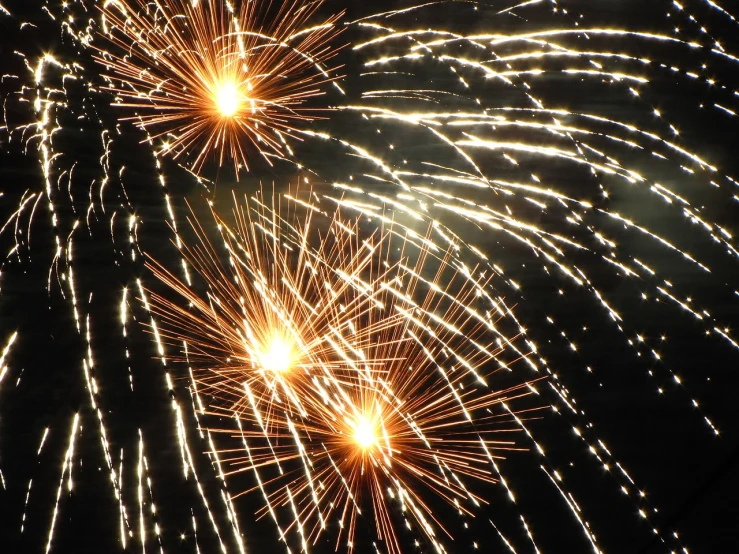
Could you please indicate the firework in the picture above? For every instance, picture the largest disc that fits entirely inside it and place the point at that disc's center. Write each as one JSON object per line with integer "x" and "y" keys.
{"x": 580, "y": 158}
{"x": 214, "y": 82}
{"x": 364, "y": 357}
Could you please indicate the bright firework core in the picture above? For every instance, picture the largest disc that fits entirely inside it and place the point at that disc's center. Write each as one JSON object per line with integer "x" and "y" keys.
{"x": 277, "y": 356}
{"x": 228, "y": 99}
{"x": 365, "y": 433}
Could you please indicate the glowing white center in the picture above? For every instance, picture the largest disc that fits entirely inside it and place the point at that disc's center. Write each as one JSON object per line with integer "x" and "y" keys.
{"x": 228, "y": 99}
{"x": 277, "y": 356}
{"x": 364, "y": 433}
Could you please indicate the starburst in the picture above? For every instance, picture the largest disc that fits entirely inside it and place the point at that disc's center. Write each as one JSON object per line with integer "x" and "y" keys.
{"x": 357, "y": 360}
{"x": 213, "y": 81}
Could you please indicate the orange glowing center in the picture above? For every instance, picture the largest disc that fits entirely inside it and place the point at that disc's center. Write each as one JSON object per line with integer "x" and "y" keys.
{"x": 228, "y": 99}
{"x": 365, "y": 433}
{"x": 277, "y": 356}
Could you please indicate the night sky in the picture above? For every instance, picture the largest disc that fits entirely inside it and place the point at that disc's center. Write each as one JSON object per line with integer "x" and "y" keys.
{"x": 630, "y": 404}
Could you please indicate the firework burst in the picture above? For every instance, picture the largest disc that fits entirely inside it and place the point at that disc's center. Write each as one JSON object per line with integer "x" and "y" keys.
{"x": 278, "y": 310}
{"x": 581, "y": 158}
{"x": 359, "y": 362}
{"x": 212, "y": 81}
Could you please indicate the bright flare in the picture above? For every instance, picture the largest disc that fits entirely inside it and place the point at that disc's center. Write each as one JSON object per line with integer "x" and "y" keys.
{"x": 364, "y": 433}
{"x": 277, "y": 356}
{"x": 228, "y": 99}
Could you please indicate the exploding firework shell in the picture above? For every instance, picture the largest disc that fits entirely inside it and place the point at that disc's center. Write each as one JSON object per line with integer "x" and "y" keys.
{"x": 214, "y": 82}
{"x": 354, "y": 360}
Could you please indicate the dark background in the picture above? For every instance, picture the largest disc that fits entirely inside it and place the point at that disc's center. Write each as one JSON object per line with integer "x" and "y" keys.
{"x": 689, "y": 476}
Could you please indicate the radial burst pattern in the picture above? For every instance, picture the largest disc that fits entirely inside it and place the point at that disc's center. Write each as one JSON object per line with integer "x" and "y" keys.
{"x": 338, "y": 350}
{"x": 212, "y": 81}
{"x": 543, "y": 187}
